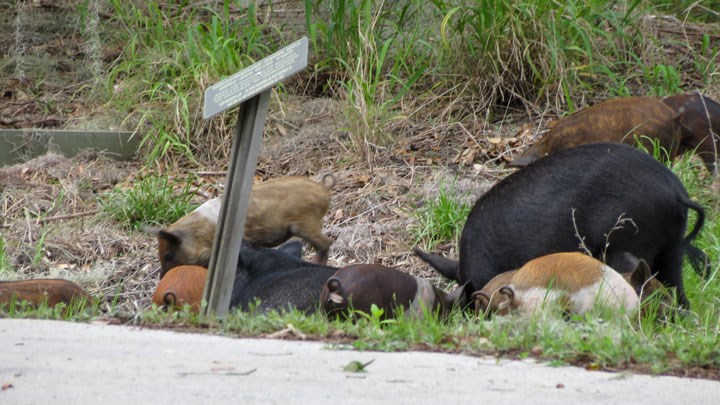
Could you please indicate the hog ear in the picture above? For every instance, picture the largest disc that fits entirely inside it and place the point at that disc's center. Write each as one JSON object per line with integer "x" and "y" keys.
{"x": 459, "y": 296}
{"x": 292, "y": 248}
{"x": 507, "y": 295}
{"x": 151, "y": 229}
{"x": 641, "y": 274}
{"x": 482, "y": 302}
{"x": 169, "y": 237}
{"x": 334, "y": 287}
{"x": 526, "y": 158}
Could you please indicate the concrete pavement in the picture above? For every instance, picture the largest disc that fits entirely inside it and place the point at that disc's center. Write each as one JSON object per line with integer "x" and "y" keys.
{"x": 52, "y": 362}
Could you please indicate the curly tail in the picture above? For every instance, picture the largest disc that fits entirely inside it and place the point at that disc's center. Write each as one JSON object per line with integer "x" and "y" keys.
{"x": 332, "y": 182}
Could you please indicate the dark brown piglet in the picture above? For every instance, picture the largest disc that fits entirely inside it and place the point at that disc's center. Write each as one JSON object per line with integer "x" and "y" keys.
{"x": 700, "y": 120}
{"x": 616, "y": 120}
{"x": 359, "y": 286}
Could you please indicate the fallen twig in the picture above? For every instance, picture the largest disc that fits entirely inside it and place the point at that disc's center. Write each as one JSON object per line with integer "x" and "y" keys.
{"x": 67, "y": 216}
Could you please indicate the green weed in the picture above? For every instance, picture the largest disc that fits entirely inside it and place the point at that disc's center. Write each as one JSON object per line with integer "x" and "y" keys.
{"x": 440, "y": 220}
{"x": 663, "y": 79}
{"x": 77, "y": 310}
{"x": 5, "y": 266}
{"x": 150, "y": 201}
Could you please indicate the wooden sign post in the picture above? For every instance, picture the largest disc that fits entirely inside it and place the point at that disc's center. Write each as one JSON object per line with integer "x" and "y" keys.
{"x": 250, "y": 88}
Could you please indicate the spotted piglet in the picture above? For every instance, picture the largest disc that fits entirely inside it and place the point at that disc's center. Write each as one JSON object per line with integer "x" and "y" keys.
{"x": 574, "y": 280}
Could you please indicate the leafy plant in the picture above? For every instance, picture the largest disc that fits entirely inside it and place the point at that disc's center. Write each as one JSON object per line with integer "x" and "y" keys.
{"x": 441, "y": 219}
{"x": 664, "y": 79}
{"x": 150, "y": 201}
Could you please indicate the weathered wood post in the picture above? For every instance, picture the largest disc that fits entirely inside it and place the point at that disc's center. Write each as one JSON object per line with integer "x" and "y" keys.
{"x": 250, "y": 88}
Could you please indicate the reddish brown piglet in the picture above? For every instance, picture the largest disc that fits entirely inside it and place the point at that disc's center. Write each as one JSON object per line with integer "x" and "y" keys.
{"x": 182, "y": 285}
{"x": 616, "y": 120}
{"x": 52, "y": 291}
{"x": 360, "y": 286}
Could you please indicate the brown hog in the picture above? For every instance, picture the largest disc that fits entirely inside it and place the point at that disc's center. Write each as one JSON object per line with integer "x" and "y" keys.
{"x": 616, "y": 120}
{"x": 35, "y": 292}
{"x": 575, "y": 280}
{"x": 181, "y": 285}
{"x": 279, "y": 209}
{"x": 360, "y": 286}
{"x": 700, "y": 120}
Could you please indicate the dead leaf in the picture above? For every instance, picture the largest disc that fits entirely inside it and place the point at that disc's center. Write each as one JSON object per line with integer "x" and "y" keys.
{"x": 289, "y": 331}
{"x": 363, "y": 179}
{"x": 494, "y": 140}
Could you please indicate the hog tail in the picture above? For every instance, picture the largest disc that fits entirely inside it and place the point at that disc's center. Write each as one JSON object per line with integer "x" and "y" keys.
{"x": 332, "y": 182}
{"x": 169, "y": 299}
{"x": 698, "y": 259}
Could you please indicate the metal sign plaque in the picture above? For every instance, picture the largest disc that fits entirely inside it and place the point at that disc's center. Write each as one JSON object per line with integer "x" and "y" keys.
{"x": 256, "y": 78}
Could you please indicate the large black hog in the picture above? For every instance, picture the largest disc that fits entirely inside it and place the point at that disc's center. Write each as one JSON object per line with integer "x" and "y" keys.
{"x": 607, "y": 198}
{"x": 279, "y": 278}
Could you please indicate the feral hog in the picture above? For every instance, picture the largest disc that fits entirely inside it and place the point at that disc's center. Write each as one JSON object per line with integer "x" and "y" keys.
{"x": 359, "y": 286}
{"x": 36, "y": 292}
{"x": 574, "y": 280}
{"x": 604, "y": 198}
{"x": 279, "y": 279}
{"x": 279, "y": 209}
{"x": 616, "y": 120}
{"x": 182, "y": 285}
{"x": 700, "y": 120}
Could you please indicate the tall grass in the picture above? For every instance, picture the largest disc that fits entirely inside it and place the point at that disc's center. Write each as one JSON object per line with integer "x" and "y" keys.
{"x": 541, "y": 52}
{"x": 405, "y": 61}
{"x": 377, "y": 51}
{"x": 172, "y": 54}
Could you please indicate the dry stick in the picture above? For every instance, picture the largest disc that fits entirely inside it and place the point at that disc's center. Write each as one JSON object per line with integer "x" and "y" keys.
{"x": 211, "y": 174}
{"x": 68, "y": 216}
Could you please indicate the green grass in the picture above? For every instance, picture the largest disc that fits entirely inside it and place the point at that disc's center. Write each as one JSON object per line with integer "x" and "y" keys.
{"x": 152, "y": 200}
{"x": 5, "y": 266}
{"x": 440, "y": 220}
{"x": 77, "y": 310}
